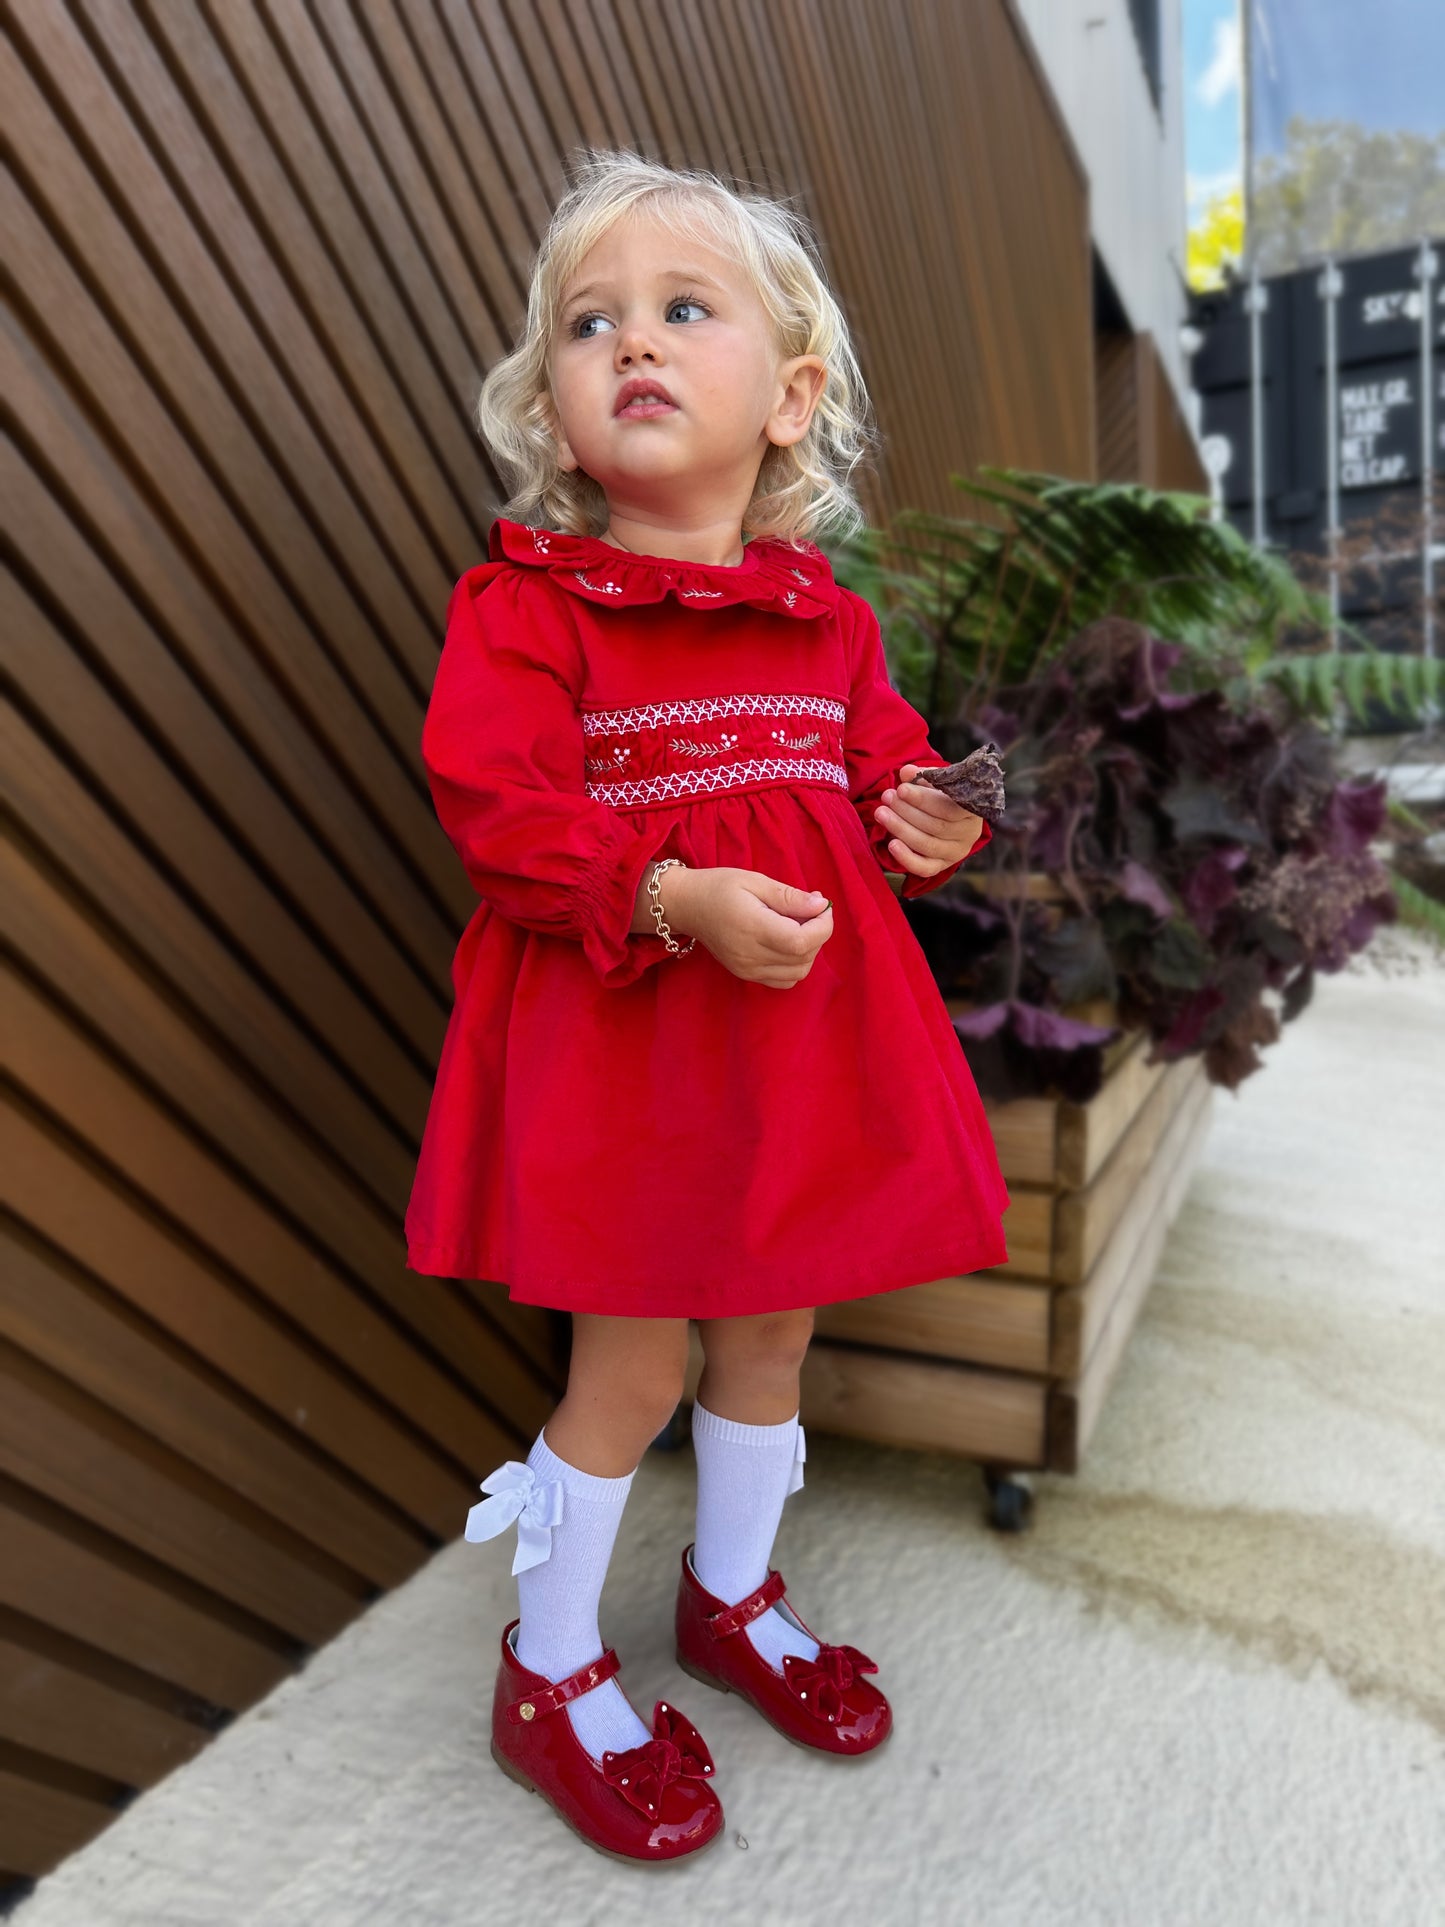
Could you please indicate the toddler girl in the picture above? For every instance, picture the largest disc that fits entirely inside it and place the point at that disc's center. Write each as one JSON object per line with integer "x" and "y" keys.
{"x": 697, "y": 1067}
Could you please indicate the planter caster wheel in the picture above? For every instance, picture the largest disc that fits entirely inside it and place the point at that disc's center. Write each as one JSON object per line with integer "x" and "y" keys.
{"x": 1010, "y": 1501}
{"x": 676, "y": 1433}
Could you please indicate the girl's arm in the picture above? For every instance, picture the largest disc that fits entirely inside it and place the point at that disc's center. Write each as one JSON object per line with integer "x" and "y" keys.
{"x": 882, "y": 735}
{"x": 505, "y": 759}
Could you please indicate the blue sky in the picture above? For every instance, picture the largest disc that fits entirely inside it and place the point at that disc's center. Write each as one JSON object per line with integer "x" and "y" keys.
{"x": 1211, "y": 98}
{"x": 1379, "y": 62}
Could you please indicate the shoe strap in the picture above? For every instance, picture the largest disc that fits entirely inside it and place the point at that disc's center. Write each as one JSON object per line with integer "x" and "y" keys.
{"x": 732, "y": 1619}
{"x": 549, "y": 1698}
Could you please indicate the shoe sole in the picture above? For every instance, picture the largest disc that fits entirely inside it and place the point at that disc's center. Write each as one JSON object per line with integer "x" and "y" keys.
{"x": 824, "y": 1752}
{"x": 515, "y": 1773}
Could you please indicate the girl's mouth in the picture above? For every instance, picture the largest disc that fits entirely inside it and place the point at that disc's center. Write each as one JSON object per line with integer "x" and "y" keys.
{"x": 645, "y": 407}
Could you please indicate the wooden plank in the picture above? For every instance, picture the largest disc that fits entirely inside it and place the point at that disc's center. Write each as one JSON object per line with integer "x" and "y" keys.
{"x": 967, "y": 1318}
{"x": 56, "y": 1568}
{"x": 40, "y": 1823}
{"x": 1081, "y": 1310}
{"x": 1084, "y": 1219}
{"x": 217, "y": 765}
{"x": 1024, "y": 1136}
{"x": 914, "y": 1403}
{"x": 57, "y": 1708}
{"x": 56, "y": 1316}
{"x": 924, "y": 1406}
{"x": 1089, "y": 1132}
{"x": 157, "y": 585}
{"x": 170, "y": 942}
{"x": 1028, "y": 1226}
{"x": 325, "y": 603}
{"x": 400, "y": 356}
{"x": 1076, "y": 1404}
{"x": 146, "y": 1029}
{"x": 54, "y": 1187}
{"x": 63, "y": 1444}
{"x": 258, "y": 607}
{"x": 138, "y": 784}
{"x": 73, "y": 1080}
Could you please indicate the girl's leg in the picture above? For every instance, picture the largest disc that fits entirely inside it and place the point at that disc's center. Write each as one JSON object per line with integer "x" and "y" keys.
{"x": 624, "y": 1384}
{"x": 745, "y": 1436}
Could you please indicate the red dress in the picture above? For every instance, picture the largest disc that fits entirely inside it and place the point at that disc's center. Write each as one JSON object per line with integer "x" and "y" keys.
{"x": 618, "y": 1129}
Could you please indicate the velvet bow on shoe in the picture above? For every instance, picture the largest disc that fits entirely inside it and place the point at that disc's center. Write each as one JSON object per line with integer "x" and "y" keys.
{"x": 651, "y": 1804}
{"x": 823, "y": 1703}
{"x": 822, "y": 1683}
{"x": 675, "y": 1752}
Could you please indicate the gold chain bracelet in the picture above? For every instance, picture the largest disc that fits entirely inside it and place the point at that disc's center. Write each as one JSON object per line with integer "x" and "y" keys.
{"x": 655, "y": 898}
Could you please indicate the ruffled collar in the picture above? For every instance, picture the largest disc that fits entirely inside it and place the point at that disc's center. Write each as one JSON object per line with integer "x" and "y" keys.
{"x": 772, "y": 575}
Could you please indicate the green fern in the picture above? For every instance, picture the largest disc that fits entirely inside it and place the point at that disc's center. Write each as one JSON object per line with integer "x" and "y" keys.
{"x": 1418, "y": 908}
{"x": 970, "y": 602}
{"x": 1409, "y": 685}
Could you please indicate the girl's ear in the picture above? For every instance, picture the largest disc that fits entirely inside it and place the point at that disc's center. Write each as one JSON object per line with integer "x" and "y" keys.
{"x": 803, "y": 381}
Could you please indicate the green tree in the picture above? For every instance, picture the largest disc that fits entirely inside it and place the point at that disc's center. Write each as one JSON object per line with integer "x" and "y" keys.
{"x": 1216, "y": 240}
{"x": 1340, "y": 189}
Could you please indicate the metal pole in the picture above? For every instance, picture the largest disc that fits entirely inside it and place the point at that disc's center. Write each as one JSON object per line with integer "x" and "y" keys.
{"x": 1256, "y": 300}
{"x": 1427, "y": 267}
{"x": 1331, "y": 287}
{"x": 1246, "y": 131}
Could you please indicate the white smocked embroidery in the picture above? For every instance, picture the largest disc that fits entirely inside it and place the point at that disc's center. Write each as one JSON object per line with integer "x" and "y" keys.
{"x": 795, "y": 742}
{"x": 707, "y": 709}
{"x": 692, "y": 782}
{"x": 597, "y": 588}
{"x": 706, "y": 594}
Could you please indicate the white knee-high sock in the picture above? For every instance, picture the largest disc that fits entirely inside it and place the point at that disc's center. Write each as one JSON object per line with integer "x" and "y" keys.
{"x": 743, "y": 1476}
{"x": 559, "y": 1598}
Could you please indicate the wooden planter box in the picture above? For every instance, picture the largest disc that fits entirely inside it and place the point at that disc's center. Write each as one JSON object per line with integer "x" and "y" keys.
{"x": 1011, "y": 1366}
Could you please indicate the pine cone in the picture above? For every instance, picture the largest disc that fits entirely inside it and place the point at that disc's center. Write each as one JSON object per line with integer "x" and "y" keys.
{"x": 976, "y": 783}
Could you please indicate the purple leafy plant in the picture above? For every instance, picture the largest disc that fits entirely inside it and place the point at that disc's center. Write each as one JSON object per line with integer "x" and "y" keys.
{"x": 1208, "y": 858}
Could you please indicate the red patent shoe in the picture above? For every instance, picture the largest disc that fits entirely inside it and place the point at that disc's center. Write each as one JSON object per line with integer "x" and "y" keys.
{"x": 823, "y": 1703}
{"x": 652, "y": 1804}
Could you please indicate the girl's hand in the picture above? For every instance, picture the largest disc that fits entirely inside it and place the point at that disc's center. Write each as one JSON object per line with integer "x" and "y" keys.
{"x": 761, "y": 930}
{"x": 931, "y": 830}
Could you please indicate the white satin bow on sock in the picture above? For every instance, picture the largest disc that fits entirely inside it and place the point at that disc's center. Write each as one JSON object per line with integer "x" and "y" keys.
{"x": 536, "y": 1505}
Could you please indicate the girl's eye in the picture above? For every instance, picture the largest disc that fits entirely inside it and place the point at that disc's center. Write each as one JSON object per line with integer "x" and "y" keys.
{"x": 587, "y": 326}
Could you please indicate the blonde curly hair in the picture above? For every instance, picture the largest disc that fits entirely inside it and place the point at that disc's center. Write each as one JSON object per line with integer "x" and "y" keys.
{"x": 800, "y": 489}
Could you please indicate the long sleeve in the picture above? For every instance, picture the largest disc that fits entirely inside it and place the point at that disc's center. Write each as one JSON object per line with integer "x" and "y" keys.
{"x": 504, "y": 754}
{"x": 883, "y": 732}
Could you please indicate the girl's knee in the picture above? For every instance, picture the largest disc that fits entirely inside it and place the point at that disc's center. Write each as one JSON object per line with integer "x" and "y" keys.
{"x": 642, "y": 1392}
{"x": 772, "y": 1341}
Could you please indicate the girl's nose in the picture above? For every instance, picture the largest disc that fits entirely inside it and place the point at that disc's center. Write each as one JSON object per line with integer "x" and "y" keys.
{"x": 634, "y": 343}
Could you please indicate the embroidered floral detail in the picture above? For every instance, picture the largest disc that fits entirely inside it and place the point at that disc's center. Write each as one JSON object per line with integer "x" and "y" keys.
{"x": 707, "y": 709}
{"x": 698, "y": 781}
{"x": 616, "y": 761}
{"x": 795, "y": 742}
{"x": 684, "y": 748}
{"x": 784, "y": 579}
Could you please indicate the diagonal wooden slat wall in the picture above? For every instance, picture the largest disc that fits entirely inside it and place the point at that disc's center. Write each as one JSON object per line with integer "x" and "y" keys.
{"x": 260, "y": 256}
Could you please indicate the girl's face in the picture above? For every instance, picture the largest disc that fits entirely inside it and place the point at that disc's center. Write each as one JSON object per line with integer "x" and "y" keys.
{"x": 647, "y": 310}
